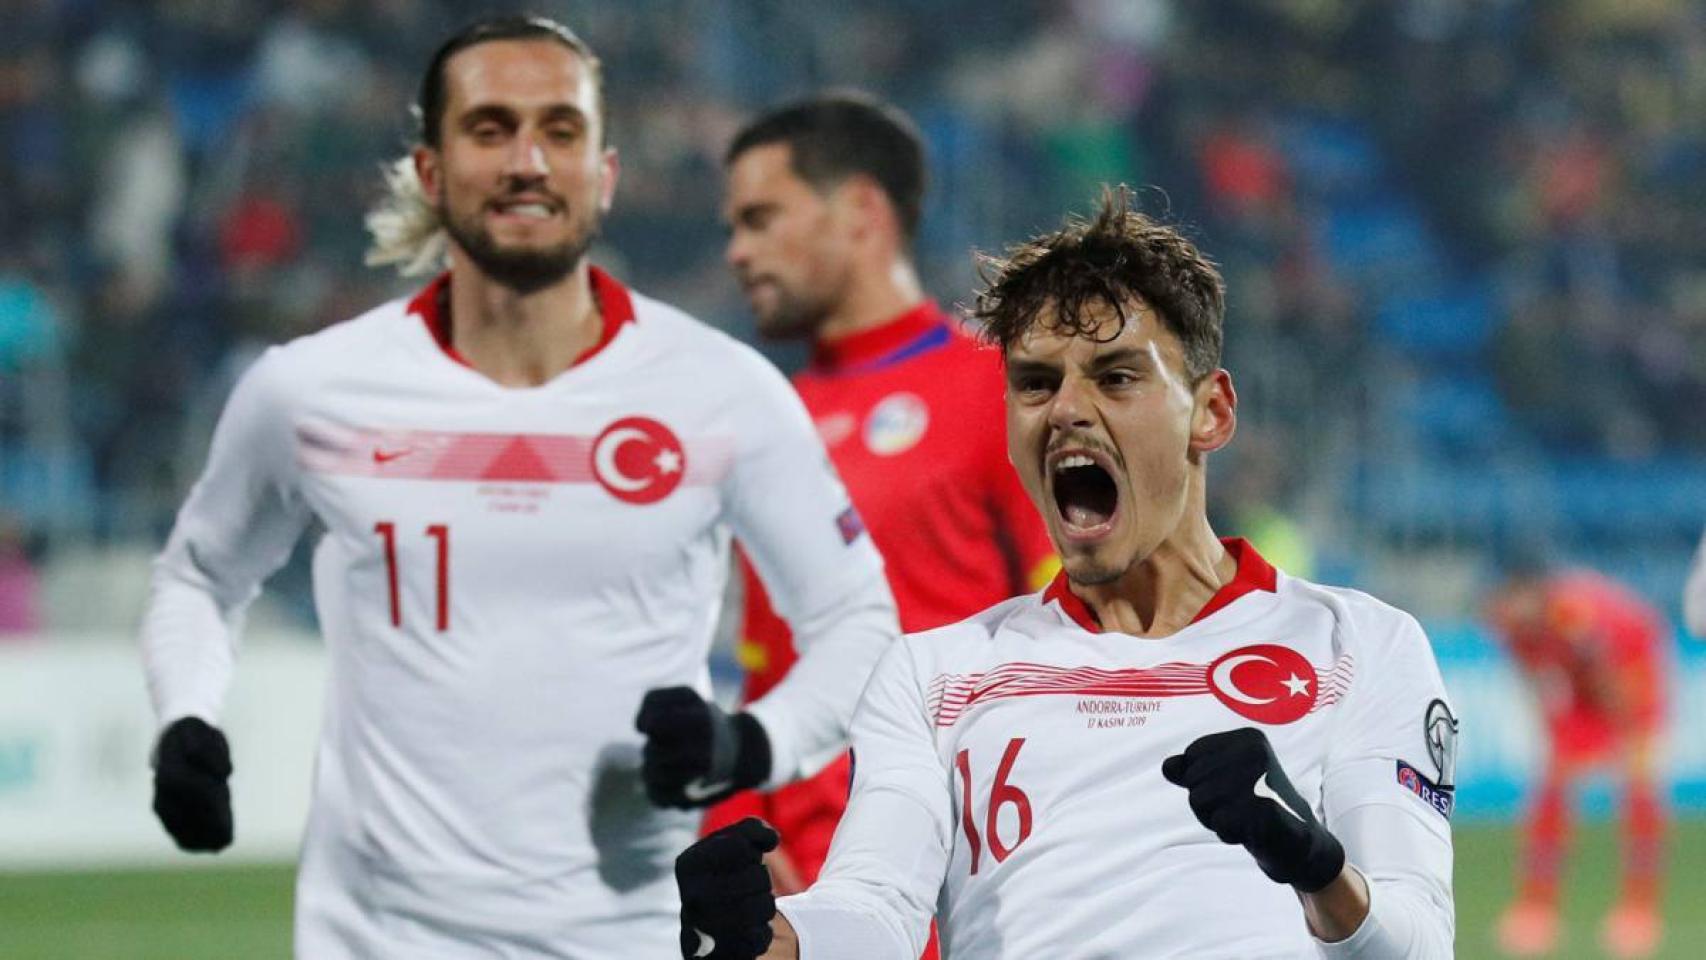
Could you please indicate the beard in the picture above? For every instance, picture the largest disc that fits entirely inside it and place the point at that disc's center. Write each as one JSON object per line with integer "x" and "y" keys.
{"x": 525, "y": 270}
{"x": 798, "y": 311}
{"x": 791, "y": 318}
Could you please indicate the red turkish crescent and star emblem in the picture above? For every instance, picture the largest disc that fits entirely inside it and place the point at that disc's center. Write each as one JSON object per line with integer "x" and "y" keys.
{"x": 638, "y": 460}
{"x": 1266, "y": 683}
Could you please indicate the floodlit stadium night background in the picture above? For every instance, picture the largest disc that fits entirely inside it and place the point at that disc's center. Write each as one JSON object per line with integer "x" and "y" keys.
{"x": 1464, "y": 241}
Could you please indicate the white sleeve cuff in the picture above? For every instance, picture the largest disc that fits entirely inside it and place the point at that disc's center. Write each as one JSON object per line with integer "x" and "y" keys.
{"x": 1369, "y": 939}
{"x": 1401, "y": 925}
{"x": 830, "y": 931}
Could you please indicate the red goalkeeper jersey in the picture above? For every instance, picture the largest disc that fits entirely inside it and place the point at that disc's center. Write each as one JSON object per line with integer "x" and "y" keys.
{"x": 912, "y": 415}
{"x": 1596, "y": 652}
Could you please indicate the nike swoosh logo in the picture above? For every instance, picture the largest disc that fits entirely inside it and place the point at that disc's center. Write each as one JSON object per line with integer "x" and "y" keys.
{"x": 706, "y": 944}
{"x": 1261, "y": 789}
{"x": 386, "y": 456}
{"x": 700, "y": 790}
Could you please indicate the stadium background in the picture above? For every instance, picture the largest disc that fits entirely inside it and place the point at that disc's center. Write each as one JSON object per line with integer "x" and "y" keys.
{"x": 1467, "y": 264}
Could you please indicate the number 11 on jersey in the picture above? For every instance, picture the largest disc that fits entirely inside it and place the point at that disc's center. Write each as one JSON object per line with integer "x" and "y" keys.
{"x": 387, "y": 531}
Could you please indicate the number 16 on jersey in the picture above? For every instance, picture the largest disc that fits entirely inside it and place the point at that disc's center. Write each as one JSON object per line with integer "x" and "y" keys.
{"x": 439, "y": 532}
{"x": 1001, "y": 793}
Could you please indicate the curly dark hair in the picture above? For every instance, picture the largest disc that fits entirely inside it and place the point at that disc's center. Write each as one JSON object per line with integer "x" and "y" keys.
{"x": 1120, "y": 258}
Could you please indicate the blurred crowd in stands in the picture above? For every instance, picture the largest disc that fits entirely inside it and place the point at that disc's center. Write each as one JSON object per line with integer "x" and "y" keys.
{"x": 1459, "y": 234}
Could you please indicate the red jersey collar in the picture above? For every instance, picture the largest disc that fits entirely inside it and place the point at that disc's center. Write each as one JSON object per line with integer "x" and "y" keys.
{"x": 1253, "y": 573}
{"x": 879, "y": 341}
{"x": 615, "y": 309}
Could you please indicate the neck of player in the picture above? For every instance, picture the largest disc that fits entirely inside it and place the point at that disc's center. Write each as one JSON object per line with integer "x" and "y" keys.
{"x": 1161, "y": 594}
{"x": 516, "y": 339}
{"x": 877, "y": 294}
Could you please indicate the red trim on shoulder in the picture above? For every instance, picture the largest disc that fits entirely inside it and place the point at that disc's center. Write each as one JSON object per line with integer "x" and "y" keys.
{"x": 615, "y": 310}
{"x": 1253, "y": 573}
{"x": 429, "y": 305}
{"x": 878, "y": 341}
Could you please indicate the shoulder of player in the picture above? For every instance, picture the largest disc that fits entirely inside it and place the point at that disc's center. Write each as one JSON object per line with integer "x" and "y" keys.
{"x": 350, "y": 341}
{"x": 972, "y": 634}
{"x": 1364, "y": 621}
{"x": 967, "y": 354}
{"x": 687, "y": 336}
{"x": 1370, "y": 628}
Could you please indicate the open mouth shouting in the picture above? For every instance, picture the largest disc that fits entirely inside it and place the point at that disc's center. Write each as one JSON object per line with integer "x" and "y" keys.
{"x": 1086, "y": 496}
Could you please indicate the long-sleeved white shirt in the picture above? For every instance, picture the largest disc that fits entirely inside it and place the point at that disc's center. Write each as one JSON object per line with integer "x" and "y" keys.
{"x": 503, "y": 573}
{"x": 1008, "y": 780}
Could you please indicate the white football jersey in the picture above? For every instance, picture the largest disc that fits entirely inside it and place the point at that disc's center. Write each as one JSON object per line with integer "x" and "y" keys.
{"x": 503, "y": 573}
{"x": 1007, "y": 777}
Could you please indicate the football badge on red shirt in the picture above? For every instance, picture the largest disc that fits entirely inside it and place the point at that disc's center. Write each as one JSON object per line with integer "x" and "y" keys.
{"x": 1266, "y": 683}
{"x": 638, "y": 460}
{"x": 896, "y": 424}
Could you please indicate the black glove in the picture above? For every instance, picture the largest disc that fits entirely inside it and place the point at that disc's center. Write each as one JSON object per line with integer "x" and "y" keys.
{"x": 1238, "y": 790}
{"x": 191, "y": 796}
{"x": 695, "y": 753}
{"x": 726, "y": 900}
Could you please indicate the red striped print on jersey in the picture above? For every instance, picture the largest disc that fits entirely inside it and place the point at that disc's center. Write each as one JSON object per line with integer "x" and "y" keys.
{"x": 629, "y": 454}
{"x": 950, "y": 696}
{"x": 1337, "y": 683}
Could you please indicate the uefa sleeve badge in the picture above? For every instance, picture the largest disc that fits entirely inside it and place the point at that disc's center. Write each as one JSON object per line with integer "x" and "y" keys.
{"x": 1439, "y": 733}
{"x": 1440, "y": 728}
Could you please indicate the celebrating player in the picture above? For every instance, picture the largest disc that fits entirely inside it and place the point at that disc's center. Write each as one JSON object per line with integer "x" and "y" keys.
{"x": 1174, "y": 749}
{"x": 823, "y": 202}
{"x": 1595, "y": 655}
{"x": 528, "y": 476}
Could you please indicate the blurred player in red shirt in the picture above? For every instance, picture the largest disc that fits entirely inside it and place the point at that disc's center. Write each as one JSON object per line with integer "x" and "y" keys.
{"x": 1596, "y": 655}
{"x": 823, "y": 201}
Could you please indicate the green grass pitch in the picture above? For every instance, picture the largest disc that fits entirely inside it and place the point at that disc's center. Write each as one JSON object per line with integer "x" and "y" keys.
{"x": 244, "y": 913}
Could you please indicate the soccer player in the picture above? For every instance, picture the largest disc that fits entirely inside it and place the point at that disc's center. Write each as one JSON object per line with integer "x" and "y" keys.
{"x": 528, "y": 476}
{"x": 823, "y": 200}
{"x": 1174, "y": 750}
{"x": 1594, "y": 654}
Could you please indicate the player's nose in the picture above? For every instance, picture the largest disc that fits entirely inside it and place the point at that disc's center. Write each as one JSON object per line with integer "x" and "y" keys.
{"x": 1070, "y": 407}
{"x": 526, "y": 157}
{"x": 735, "y": 253}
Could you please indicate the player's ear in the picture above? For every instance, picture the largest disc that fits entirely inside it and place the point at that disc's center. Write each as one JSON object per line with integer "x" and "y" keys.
{"x": 609, "y": 170}
{"x": 1214, "y": 412}
{"x": 427, "y": 170}
{"x": 862, "y": 205}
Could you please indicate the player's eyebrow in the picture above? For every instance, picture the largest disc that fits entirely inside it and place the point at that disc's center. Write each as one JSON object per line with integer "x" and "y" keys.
{"x": 565, "y": 111}
{"x": 509, "y": 116}
{"x": 1020, "y": 369}
{"x": 482, "y": 112}
{"x": 1124, "y": 356}
{"x": 747, "y": 213}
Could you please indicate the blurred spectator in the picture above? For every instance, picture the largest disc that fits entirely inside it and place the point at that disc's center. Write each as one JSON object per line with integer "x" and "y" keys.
{"x": 20, "y": 588}
{"x": 31, "y": 331}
